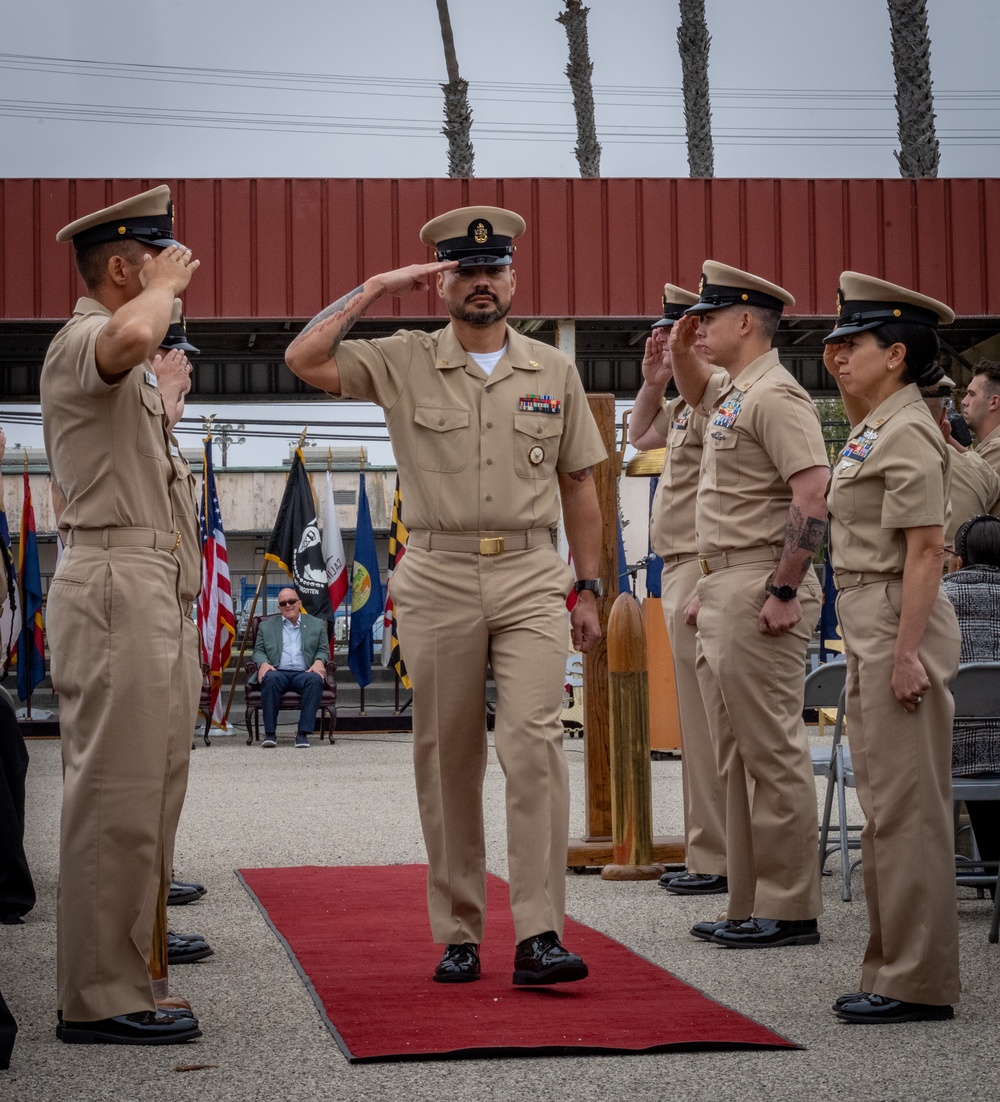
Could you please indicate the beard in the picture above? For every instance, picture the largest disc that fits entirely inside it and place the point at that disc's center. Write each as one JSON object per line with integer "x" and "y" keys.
{"x": 480, "y": 317}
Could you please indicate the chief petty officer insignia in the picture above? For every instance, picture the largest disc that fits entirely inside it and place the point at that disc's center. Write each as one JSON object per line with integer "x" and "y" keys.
{"x": 727, "y": 413}
{"x": 859, "y": 448}
{"x": 539, "y": 403}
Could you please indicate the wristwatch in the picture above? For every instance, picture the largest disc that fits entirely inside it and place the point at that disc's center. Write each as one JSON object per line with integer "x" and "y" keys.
{"x": 784, "y": 592}
{"x": 595, "y": 585}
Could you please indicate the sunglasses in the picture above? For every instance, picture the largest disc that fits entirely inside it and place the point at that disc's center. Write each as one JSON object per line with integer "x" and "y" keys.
{"x": 288, "y": 604}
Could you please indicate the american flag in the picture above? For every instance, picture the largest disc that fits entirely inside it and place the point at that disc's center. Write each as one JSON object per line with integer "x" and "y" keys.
{"x": 215, "y": 604}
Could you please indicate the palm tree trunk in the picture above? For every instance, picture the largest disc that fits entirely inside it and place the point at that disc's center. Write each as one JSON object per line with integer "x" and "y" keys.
{"x": 693, "y": 41}
{"x": 919, "y": 153}
{"x": 579, "y": 71}
{"x": 457, "y": 112}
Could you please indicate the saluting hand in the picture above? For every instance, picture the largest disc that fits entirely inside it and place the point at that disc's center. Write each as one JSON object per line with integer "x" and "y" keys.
{"x": 172, "y": 268}
{"x": 830, "y": 358}
{"x": 684, "y": 333}
{"x": 415, "y": 277}
{"x": 173, "y": 373}
{"x": 657, "y": 369}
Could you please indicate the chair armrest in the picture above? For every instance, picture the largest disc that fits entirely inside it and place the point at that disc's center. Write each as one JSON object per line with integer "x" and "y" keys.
{"x": 250, "y": 668}
{"x": 331, "y": 669}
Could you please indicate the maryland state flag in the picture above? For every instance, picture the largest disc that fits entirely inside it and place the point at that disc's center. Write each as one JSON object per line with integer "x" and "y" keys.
{"x": 398, "y": 533}
{"x": 28, "y": 653}
{"x": 296, "y": 545}
{"x": 366, "y": 593}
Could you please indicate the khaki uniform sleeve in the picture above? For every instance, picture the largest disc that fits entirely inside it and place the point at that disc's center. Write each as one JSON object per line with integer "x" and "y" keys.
{"x": 79, "y": 356}
{"x": 664, "y": 415}
{"x": 581, "y": 445}
{"x": 375, "y": 371}
{"x": 787, "y": 427}
{"x": 915, "y": 470}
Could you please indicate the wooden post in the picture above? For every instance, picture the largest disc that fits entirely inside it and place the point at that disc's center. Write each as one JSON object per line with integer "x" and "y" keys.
{"x": 631, "y": 784}
{"x": 158, "y": 967}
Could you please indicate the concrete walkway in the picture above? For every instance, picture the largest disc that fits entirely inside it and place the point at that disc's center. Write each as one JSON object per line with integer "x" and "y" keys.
{"x": 353, "y": 803}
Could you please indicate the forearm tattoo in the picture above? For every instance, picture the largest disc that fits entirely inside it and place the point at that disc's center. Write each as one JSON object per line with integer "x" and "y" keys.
{"x": 803, "y": 534}
{"x": 339, "y": 317}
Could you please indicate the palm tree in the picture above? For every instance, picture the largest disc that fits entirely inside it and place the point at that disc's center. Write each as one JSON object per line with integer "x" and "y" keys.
{"x": 919, "y": 153}
{"x": 693, "y": 41}
{"x": 579, "y": 71}
{"x": 457, "y": 112}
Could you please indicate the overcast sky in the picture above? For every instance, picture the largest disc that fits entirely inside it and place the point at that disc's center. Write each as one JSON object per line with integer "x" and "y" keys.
{"x": 328, "y": 88}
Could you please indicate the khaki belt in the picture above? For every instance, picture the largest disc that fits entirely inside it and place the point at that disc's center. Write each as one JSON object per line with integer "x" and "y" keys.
{"x": 684, "y": 556}
{"x": 848, "y": 580}
{"x": 764, "y": 553}
{"x": 480, "y": 543}
{"x": 123, "y": 537}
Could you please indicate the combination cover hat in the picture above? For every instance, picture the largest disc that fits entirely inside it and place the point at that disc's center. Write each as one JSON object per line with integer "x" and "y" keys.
{"x": 723, "y": 286}
{"x": 177, "y": 331}
{"x": 147, "y": 217}
{"x": 474, "y": 236}
{"x": 675, "y": 302}
{"x": 864, "y": 302}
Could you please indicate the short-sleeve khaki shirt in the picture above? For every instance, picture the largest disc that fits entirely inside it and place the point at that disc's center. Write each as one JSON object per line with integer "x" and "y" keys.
{"x": 476, "y": 452}
{"x": 894, "y": 473}
{"x": 672, "y": 517}
{"x": 989, "y": 449}
{"x": 762, "y": 429}
{"x": 975, "y": 490}
{"x": 107, "y": 443}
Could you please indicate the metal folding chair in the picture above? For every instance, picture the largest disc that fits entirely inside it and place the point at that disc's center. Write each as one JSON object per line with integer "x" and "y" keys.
{"x": 825, "y": 688}
{"x": 976, "y": 690}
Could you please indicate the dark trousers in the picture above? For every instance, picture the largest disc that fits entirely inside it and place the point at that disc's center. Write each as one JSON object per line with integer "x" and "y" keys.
{"x": 984, "y": 815}
{"x": 17, "y": 892}
{"x": 8, "y": 1031}
{"x": 307, "y": 684}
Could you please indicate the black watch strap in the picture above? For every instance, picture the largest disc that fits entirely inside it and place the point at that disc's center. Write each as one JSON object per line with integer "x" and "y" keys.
{"x": 784, "y": 592}
{"x": 593, "y": 584}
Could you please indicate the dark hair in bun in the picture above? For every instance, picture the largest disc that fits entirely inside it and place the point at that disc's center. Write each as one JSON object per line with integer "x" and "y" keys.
{"x": 977, "y": 542}
{"x": 922, "y": 348}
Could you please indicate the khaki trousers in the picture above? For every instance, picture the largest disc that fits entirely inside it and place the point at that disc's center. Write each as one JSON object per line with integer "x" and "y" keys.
{"x": 752, "y": 686}
{"x": 121, "y": 668}
{"x": 902, "y": 765}
{"x": 703, "y": 787}
{"x": 457, "y": 612}
{"x": 181, "y": 722}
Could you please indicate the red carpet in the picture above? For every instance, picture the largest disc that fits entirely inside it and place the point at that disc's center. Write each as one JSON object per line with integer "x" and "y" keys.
{"x": 361, "y": 941}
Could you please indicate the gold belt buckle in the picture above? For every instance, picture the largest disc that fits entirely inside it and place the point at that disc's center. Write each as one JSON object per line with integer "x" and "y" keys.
{"x": 705, "y": 568}
{"x": 491, "y": 545}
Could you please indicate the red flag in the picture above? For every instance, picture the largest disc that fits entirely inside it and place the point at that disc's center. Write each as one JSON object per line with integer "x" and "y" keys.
{"x": 216, "y": 621}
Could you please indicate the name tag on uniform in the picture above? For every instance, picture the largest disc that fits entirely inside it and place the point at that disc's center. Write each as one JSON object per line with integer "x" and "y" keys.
{"x": 727, "y": 413}
{"x": 539, "y": 403}
{"x": 150, "y": 378}
{"x": 858, "y": 449}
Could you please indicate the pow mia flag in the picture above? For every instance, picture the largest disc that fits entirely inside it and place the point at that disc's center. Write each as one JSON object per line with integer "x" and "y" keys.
{"x": 296, "y": 544}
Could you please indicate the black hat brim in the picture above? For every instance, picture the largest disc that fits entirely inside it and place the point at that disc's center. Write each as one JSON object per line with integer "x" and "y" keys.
{"x": 850, "y": 328}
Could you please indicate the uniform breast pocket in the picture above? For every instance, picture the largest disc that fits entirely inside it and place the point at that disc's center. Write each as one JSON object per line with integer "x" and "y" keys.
{"x": 149, "y": 432}
{"x": 536, "y": 444}
{"x": 442, "y": 438}
{"x": 843, "y": 492}
{"x": 721, "y": 456}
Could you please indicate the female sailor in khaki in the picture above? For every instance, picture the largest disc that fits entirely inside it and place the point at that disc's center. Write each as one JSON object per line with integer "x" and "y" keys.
{"x": 888, "y": 506}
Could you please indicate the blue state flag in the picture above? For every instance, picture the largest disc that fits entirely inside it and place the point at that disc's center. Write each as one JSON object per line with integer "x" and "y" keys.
{"x": 367, "y": 601}
{"x": 30, "y": 643}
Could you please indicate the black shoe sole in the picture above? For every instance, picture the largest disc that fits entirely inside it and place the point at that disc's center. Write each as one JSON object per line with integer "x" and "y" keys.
{"x": 189, "y": 956}
{"x": 928, "y": 1014}
{"x": 696, "y": 891}
{"x": 180, "y": 899}
{"x": 561, "y": 973}
{"x": 792, "y": 939}
{"x": 96, "y": 1037}
{"x": 455, "y": 977}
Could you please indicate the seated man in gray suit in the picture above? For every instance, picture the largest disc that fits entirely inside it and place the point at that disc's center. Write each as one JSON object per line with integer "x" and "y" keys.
{"x": 291, "y": 653}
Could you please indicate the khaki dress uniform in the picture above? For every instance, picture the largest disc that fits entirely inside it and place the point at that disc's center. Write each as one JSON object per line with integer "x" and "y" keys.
{"x": 989, "y": 449}
{"x": 893, "y": 475}
{"x": 975, "y": 490}
{"x": 478, "y": 457}
{"x": 762, "y": 429}
{"x": 124, "y": 662}
{"x": 672, "y": 537}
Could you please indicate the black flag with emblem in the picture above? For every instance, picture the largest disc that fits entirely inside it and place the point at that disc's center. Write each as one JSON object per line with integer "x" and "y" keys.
{"x": 296, "y": 545}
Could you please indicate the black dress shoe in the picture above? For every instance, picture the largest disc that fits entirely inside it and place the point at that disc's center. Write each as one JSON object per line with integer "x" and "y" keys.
{"x": 181, "y": 950}
{"x": 767, "y": 933}
{"x": 696, "y": 883}
{"x": 707, "y": 930}
{"x": 182, "y": 891}
{"x": 541, "y": 959}
{"x": 851, "y": 998}
{"x": 879, "y": 1010}
{"x": 460, "y": 964}
{"x": 149, "y": 1027}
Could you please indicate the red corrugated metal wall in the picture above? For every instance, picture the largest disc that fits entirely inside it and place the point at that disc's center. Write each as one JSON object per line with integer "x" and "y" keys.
{"x": 594, "y": 248}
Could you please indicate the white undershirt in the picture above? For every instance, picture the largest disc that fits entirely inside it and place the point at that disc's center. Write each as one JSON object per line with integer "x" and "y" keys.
{"x": 488, "y": 360}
